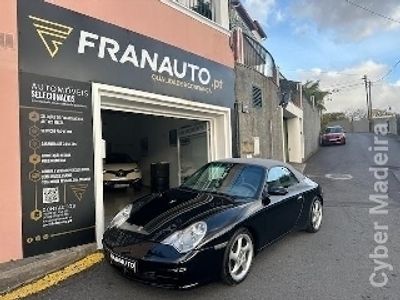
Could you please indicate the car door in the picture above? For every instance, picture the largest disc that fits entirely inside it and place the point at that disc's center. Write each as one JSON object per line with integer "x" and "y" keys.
{"x": 282, "y": 212}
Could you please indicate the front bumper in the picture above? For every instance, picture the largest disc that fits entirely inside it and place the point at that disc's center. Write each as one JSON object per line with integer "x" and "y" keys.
{"x": 152, "y": 265}
{"x": 116, "y": 181}
{"x": 333, "y": 141}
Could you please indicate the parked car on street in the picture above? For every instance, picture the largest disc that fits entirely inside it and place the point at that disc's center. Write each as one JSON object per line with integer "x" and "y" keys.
{"x": 333, "y": 135}
{"x": 212, "y": 225}
{"x": 120, "y": 170}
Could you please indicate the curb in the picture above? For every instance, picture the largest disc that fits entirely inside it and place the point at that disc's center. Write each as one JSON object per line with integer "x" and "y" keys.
{"x": 17, "y": 273}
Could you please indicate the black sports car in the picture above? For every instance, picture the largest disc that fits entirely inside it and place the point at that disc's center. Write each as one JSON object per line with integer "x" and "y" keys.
{"x": 212, "y": 225}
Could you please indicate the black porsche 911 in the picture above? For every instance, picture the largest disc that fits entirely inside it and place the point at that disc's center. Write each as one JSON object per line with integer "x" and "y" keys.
{"x": 214, "y": 224}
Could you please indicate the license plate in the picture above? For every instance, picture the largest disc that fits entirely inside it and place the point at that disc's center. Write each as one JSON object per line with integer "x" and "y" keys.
{"x": 121, "y": 185}
{"x": 129, "y": 264}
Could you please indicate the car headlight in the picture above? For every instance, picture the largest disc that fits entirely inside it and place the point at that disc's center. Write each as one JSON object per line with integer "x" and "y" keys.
{"x": 186, "y": 240}
{"x": 121, "y": 217}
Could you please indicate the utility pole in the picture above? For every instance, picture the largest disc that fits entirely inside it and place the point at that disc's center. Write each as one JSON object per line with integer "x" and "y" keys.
{"x": 365, "y": 78}
{"x": 370, "y": 120}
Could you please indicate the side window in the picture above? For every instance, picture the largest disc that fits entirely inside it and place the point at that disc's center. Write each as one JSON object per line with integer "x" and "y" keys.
{"x": 288, "y": 178}
{"x": 274, "y": 176}
{"x": 281, "y": 176}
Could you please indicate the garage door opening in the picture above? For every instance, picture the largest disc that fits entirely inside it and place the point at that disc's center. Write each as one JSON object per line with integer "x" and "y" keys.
{"x": 134, "y": 142}
{"x": 191, "y": 119}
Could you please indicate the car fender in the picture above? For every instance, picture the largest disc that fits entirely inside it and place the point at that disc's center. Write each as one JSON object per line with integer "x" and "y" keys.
{"x": 221, "y": 227}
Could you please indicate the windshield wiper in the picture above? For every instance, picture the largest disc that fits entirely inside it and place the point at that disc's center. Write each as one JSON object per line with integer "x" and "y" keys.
{"x": 188, "y": 188}
{"x": 231, "y": 198}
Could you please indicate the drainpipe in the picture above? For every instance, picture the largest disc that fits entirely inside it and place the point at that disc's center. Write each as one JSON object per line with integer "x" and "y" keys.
{"x": 236, "y": 127}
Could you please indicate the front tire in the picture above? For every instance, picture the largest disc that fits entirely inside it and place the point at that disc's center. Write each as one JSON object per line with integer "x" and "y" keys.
{"x": 315, "y": 216}
{"x": 238, "y": 257}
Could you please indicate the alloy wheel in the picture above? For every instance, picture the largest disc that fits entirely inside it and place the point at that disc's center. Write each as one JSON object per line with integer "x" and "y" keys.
{"x": 316, "y": 214}
{"x": 240, "y": 257}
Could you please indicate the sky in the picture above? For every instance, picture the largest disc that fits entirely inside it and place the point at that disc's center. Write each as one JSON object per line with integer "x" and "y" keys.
{"x": 337, "y": 43}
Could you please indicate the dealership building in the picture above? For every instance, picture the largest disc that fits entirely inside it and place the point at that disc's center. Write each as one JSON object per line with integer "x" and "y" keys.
{"x": 168, "y": 83}
{"x": 83, "y": 79}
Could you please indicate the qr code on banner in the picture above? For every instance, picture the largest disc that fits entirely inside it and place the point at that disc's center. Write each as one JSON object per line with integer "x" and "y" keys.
{"x": 51, "y": 195}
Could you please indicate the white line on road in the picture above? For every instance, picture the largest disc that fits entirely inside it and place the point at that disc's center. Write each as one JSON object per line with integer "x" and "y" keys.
{"x": 339, "y": 176}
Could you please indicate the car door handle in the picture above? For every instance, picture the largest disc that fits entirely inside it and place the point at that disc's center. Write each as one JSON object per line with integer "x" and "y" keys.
{"x": 299, "y": 199}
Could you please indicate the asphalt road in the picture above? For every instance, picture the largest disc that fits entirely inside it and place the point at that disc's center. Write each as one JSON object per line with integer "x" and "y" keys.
{"x": 331, "y": 264}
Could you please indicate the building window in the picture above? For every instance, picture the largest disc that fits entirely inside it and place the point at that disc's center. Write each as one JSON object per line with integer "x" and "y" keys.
{"x": 257, "y": 97}
{"x": 202, "y": 7}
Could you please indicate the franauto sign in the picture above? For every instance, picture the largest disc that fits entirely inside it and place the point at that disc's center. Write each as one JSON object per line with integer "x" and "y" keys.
{"x": 108, "y": 48}
{"x": 52, "y": 34}
{"x": 60, "y": 43}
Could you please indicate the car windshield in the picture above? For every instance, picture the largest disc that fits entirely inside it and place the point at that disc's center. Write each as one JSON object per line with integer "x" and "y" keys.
{"x": 232, "y": 179}
{"x": 334, "y": 130}
{"x": 118, "y": 158}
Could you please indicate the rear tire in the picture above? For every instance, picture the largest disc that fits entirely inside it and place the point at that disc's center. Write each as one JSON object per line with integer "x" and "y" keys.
{"x": 315, "y": 216}
{"x": 238, "y": 257}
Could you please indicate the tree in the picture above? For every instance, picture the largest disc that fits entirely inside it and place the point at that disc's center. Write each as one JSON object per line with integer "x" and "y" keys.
{"x": 332, "y": 117}
{"x": 311, "y": 90}
{"x": 356, "y": 114}
{"x": 382, "y": 112}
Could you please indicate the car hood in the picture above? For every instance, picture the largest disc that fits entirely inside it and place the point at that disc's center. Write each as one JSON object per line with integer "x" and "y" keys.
{"x": 157, "y": 216}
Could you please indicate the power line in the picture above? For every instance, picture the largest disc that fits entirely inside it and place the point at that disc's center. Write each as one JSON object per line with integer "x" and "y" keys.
{"x": 348, "y": 88}
{"x": 372, "y": 11}
{"x": 339, "y": 84}
{"x": 388, "y": 72}
{"x": 321, "y": 72}
{"x": 342, "y": 87}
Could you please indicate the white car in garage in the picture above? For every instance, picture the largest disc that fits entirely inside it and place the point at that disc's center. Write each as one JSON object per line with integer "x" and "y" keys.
{"x": 120, "y": 170}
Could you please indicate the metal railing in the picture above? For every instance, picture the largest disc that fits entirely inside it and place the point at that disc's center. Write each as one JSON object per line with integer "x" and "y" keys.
{"x": 291, "y": 91}
{"x": 257, "y": 57}
{"x": 206, "y": 8}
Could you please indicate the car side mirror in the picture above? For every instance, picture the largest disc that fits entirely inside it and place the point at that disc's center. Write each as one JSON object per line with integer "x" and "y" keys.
{"x": 277, "y": 191}
{"x": 265, "y": 197}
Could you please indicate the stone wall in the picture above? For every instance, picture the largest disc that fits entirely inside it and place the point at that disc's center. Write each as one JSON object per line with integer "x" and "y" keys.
{"x": 265, "y": 122}
{"x": 311, "y": 128}
{"x": 391, "y": 121}
{"x": 360, "y": 125}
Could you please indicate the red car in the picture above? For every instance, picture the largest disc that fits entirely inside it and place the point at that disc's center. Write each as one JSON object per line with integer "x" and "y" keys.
{"x": 333, "y": 135}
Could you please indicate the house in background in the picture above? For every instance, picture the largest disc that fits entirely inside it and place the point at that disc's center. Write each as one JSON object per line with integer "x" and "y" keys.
{"x": 271, "y": 117}
{"x": 257, "y": 115}
{"x": 292, "y": 102}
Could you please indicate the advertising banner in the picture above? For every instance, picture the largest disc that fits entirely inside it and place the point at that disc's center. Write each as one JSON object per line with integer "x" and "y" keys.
{"x": 57, "y": 42}
{"x": 58, "y": 207}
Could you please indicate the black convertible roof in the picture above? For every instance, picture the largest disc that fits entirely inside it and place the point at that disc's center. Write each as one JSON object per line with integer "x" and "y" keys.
{"x": 266, "y": 163}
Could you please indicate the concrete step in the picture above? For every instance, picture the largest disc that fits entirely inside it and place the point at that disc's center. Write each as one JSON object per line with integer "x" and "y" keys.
{"x": 19, "y": 272}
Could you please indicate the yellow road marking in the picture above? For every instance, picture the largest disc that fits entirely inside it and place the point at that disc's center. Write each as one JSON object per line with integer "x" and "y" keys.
{"x": 54, "y": 278}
